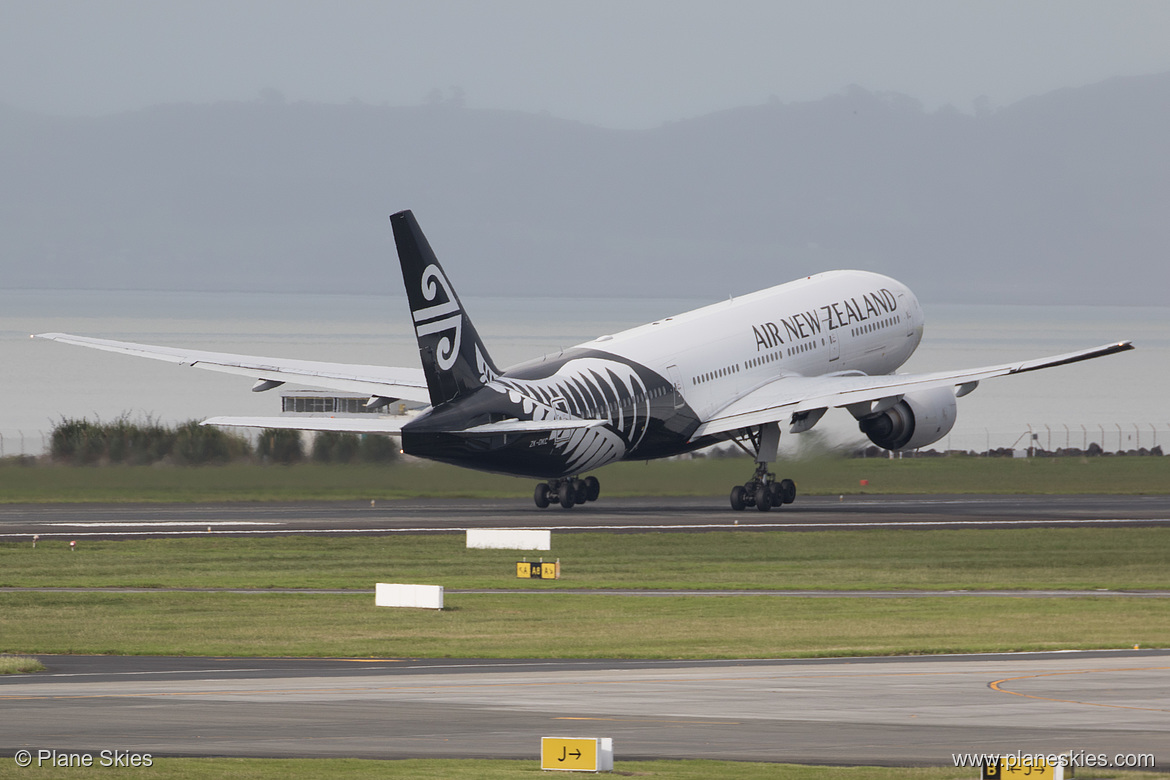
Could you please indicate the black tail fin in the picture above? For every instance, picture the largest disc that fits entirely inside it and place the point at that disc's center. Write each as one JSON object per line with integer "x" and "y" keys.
{"x": 454, "y": 360}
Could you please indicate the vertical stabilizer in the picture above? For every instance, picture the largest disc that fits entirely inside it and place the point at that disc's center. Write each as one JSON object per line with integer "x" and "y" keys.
{"x": 454, "y": 360}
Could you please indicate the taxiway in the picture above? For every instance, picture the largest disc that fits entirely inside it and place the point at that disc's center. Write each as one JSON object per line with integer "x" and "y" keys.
{"x": 918, "y": 710}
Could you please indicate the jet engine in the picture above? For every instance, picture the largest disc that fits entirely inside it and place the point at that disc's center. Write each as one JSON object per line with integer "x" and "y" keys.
{"x": 917, "y": 420}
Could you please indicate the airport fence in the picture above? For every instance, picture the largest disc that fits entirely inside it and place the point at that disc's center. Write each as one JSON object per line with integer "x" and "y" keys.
{"x": 16, "y": 443}
{"x": 1060, "y": 439}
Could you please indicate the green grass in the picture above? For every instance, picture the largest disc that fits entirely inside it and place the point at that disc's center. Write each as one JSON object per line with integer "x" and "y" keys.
{"x": 564, "y": 626}
{"x": 989, "y": 559}
{"x": 704, "y": 477}
{"x": 551, "y": 625}
{"x": 19, "y": 664}
{"x": 477, "y": 769}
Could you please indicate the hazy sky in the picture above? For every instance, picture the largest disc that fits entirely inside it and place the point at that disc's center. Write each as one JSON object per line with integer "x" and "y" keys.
{"x": 619, "y": 64}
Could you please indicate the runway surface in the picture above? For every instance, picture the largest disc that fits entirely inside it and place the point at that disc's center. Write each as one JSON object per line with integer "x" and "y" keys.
{"x": 917, "y": 710}
{"x": 116, "y": 521}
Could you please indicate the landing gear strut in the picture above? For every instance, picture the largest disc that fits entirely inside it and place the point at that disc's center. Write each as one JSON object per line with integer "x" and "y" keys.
{"x": 763, "y": 491}
{"x": 566, "y": 492}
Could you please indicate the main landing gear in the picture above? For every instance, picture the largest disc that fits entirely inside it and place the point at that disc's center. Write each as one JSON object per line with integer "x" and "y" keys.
{"x": 566, "y": 492}
{"x": 762, "y": 491}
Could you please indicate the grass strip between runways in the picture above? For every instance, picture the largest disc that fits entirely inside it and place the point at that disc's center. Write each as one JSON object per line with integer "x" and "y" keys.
{"x": 558, "y": 626}
{"x": 871, "y": 559}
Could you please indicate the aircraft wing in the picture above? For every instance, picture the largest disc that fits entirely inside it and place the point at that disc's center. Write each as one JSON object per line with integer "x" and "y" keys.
{"x": 790, "y": 395}
{"x": 395, "y": 383}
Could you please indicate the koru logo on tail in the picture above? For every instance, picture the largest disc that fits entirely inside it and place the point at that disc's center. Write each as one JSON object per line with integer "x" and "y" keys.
{"x": 444, "y": 317}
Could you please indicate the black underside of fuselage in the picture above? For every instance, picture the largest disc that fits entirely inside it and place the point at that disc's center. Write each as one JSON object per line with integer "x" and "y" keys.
{"x": 644, "y": 418}
{"x": 531, "y": 454}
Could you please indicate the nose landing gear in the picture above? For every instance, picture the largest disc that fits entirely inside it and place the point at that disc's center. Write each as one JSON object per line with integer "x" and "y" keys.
{"x": 566, "y": 492}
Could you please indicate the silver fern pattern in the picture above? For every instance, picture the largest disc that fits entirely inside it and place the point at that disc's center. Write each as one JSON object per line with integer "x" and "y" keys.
{"x": 588, "y": 388}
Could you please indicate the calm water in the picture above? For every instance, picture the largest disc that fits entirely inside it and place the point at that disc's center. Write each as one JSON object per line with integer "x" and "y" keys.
{"x": 42, "y": 381}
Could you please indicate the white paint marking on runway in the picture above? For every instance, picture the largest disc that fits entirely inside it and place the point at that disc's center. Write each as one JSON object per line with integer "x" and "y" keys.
{"x": 163, "y": 523}
{"x": 376, "y": 666}
{"x": 746, "y": 526}
{"x": 148, "y": 673}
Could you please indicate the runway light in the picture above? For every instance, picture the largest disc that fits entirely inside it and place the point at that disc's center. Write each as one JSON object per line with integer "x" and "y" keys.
{"x": 72, "y": 546}
{"x": 36, "y": 537}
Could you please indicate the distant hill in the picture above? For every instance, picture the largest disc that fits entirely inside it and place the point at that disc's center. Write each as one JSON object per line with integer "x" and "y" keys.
{"x": 1061, "y": 198}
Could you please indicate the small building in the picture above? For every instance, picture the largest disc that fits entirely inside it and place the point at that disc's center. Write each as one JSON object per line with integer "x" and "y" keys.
{"x": 324, "y": 403}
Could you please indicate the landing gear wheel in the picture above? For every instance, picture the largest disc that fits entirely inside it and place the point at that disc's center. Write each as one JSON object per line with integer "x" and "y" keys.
{"x": 567, "y": 493}
{"x": 737, "y": 502}
{"x": 582, "y": 494}
{"x": 775, "y": 494}
{"x": 541, "y": 496}
{"x": 763, "y": 490}
{"x": 788, "y": 490}
{"x": 592, "y": 488}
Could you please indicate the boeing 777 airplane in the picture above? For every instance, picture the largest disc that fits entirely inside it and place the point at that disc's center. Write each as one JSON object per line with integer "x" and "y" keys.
{"x": 737, "y": 370}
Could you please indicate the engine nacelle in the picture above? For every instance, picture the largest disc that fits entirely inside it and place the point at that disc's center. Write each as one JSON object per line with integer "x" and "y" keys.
{"x": 915, "y": 421}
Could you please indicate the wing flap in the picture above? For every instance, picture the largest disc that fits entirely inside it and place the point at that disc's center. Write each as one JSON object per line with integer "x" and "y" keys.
{"x": 397, "y": 383}
{"x": 788, "y": 395}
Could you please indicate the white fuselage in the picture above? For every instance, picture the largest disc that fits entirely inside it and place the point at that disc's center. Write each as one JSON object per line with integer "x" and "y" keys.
{"x": 832, "y": 322}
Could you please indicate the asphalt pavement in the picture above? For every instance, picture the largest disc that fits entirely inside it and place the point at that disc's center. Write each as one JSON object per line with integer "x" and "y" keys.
{"x": 908, "y": 710}
{"x": 684, "y": 514}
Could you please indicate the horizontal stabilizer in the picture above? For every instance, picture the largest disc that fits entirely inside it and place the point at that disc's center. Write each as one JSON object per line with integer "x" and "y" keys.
{"x": 332, "y": 424}
{"x": 529, "y": 426}
{"x": 383, "y": 425}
